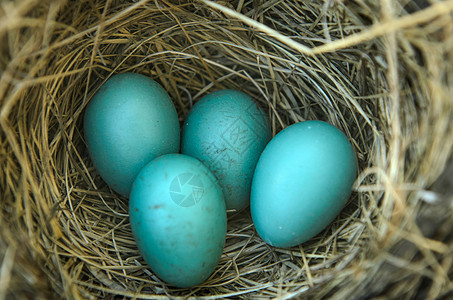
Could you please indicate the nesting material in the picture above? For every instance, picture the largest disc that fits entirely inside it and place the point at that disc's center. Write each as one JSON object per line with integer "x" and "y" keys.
{"x": 381, "y": 71}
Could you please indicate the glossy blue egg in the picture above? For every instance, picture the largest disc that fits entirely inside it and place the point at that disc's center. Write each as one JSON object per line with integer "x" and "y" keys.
{"x": 129, "y": 121}
{"x": 227, "y": 131}
{"x": 178, "y": 218}
{"x": 302, "y": 181}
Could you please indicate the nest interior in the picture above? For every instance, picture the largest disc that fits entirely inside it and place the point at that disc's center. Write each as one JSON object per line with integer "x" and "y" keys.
{"x": 381, "y": 71}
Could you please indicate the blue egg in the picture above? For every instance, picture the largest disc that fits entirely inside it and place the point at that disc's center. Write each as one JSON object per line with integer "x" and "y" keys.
{"x": 227, "y": 131}
{"x": 130, "y": 121}
{"x": 178, "y": 218}
{"x": 302, "y": 181}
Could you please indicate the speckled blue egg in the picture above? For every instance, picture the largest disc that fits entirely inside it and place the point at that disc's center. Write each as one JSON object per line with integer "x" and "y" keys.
{"x": 129, "y": 121}
{"x": 178, "y": 218}
{"x": 302, "y": 181}
{"x": 227, "y": 131}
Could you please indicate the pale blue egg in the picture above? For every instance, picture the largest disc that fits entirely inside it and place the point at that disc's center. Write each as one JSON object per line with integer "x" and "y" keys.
{"x": 227, "y": 131}
{"x": 130, "y": 121}
{"x": 302, "y": 181}
{"x": 178, "y": 218}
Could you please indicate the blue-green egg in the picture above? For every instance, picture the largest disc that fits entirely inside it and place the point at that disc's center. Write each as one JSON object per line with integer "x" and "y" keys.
{"x": 129, "y": 121}
{"x": 302, "y": 181}
{"x": 227, "y": 131}
{"x": 178, "y": 219}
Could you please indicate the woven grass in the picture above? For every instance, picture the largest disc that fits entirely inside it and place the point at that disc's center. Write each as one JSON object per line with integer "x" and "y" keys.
{"x": 381, "y": 71}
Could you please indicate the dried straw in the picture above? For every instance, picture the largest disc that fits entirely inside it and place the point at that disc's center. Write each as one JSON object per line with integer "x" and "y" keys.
{"x": 381, "y": 71}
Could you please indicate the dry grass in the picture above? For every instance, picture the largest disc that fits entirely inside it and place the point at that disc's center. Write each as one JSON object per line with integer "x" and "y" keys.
{"x": 382, "y": 71}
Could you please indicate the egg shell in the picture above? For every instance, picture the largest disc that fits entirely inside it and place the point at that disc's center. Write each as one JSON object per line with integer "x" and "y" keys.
{"x": 227, "y": 131}
{"x": 178, "y": 218}
{"x": 130, "y": 121}
{"x": 302, "y": 181}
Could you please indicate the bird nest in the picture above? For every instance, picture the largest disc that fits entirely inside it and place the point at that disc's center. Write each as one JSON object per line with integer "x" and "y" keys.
{"x": 381, "y": 71}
